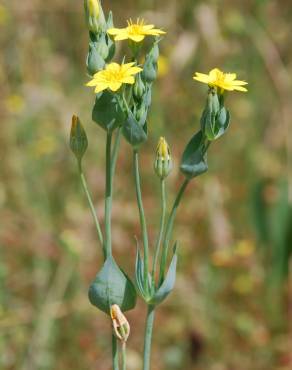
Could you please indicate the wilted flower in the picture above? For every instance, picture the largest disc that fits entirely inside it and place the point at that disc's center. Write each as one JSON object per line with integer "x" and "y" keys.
{"x": 224, "y": 81}
{"x": 135, "y": 31}
{"x": 120, "y": 323}
{"x": 113, "y": 76}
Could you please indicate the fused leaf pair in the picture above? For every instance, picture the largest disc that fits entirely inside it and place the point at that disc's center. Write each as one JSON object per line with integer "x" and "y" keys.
{"x": 147, "y": 289}
{"x": 112, "y": 286}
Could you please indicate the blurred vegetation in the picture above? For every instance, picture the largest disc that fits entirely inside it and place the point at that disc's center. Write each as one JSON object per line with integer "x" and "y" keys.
{"x": 233, "y": 303}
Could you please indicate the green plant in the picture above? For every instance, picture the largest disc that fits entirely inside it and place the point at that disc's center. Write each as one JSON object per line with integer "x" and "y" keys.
{"x": 123, "y": 99}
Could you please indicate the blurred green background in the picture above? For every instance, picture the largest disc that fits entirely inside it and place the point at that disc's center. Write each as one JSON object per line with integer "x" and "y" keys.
{"x": 232, "y": 305}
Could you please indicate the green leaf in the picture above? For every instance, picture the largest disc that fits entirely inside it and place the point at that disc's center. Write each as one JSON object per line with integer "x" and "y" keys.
{"x": 168, "y": 283}
{"x": 112, "y": 286}
{"x": 139, "y": 274}
{"x": 134, "y": 132}
{"x": 193, "y": 160}
{"x": 107, "y": 113}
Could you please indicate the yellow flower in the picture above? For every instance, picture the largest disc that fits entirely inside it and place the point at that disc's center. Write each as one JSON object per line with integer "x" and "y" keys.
{"x": 225, "y": 81}
{"x": 113, "y": 76}
{"x": 135, "y": 31}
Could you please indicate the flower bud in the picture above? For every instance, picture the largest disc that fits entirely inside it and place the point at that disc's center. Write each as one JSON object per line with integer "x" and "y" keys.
{"x": 163, "y": 162}
{"x": 94, "y": 60}
{"x": 94, "y": 15}
{"x": 210, "y": 113}
{"x": 139, "y": 87}
{"x": 121, "y": 325}
{"x": 78, "y": 139}
{"x": 150, "y": 66}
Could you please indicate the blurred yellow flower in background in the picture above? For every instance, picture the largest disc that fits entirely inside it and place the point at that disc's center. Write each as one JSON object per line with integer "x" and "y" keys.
{"x": 113, "y": 76}
{"x": 135, "y": 31}
{"x": 225, "y": 81}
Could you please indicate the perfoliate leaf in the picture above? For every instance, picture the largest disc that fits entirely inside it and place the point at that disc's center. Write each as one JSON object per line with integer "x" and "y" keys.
{"x": 135, "y": 132}
{"x": 112, "y": 286}
{"x": 193, "y": 161}
{"x": 168, "y": 283}
{"x": 107, "y": 113}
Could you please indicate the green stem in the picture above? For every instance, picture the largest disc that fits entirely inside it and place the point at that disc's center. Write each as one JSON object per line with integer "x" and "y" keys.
{"x": 142, "y": 218}
{"x": 124, "y": 357}
{"x": 115, "y": 353}
{"x": 169, "y": 228}
{"x": 116, "y": 151}
{"x": 91, "y": 206}
{"x": 108, "y": 196}
{"x": 161, "y": 229}
{"x": 148, "y": 337}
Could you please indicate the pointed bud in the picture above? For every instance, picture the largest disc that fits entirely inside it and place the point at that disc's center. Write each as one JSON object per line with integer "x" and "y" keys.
{"x": 121, "y": 325}
{"x": 78, "y": 139}
{"x": 94, "y": 15}
{"x": 94, "y": 60}
{"x": 139, "y": 87}
{"x": 163, "y": 162}
{"x": 150, "y": 65}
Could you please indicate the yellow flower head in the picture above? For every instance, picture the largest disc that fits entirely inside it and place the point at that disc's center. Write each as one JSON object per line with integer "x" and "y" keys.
{"x": 113, "y": 76}
{"x": 135, "y": 31}
{"x": 224, "y": 81}
{"x": 162, "y": 150}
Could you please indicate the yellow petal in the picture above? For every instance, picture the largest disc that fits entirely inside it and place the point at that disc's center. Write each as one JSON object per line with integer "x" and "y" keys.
{"x": 240, "y": 88}
{"x": 154, "y": 32}
{"x": 100, "y": 87}
{"x": 128, "y": 80}
{"x": 113, "y": 31}
{"x": 134, "y": 70}
{"x": 239, "y": 83}
{"x": 136, "y": 38}
{"x": 122, "y": 36}
{"x": 114, "y": 85}
{"x": 91, "y": 83}
{"x": 201, "y": 77}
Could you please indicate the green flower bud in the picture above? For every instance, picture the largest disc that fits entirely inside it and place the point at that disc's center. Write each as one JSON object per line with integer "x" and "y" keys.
{"x": 210, "y": 114}
{"x": 94, "y": 60}
{"x": 94, "y": 16}
{"x": 78, "y": 139}
{"x": 139, "y": 87}
{"x": 150, "y": 66}
{"x": 163, "y": 162}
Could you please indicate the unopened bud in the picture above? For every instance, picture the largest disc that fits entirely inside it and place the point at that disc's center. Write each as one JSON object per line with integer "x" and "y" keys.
{"x": 94, "y": 15}
{"x": 121, "y": 325}
{"x": 163, "y": 162}
{"x": 78, "y": 139}
{"x": 150, "y": 65}
{"x": 139, "y": 87}
{"x": 94, "y": 60}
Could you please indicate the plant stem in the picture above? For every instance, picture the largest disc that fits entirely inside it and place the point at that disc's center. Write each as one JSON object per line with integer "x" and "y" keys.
{"x": 124, "y": 357}
{"x": 91, "y": 206}
{"x": 108, "y": 196}
{"x": 148, "y": 337}
{"x": 115, "y": 353}
{"x": 116, "y": 151}
{"x": 142, "y": 218}
{"x": 161, "y": 229}
{"x": 169, "y": 228}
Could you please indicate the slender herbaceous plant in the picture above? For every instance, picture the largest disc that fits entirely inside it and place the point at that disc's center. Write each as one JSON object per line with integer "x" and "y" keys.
{"x": 123, "y": 93}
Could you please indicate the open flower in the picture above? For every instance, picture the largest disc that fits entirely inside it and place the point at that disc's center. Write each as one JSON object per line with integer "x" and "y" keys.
{"x": 225, "y": 81}
{"x": 113, "y": 76}
{"x": 135, "y": 31}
